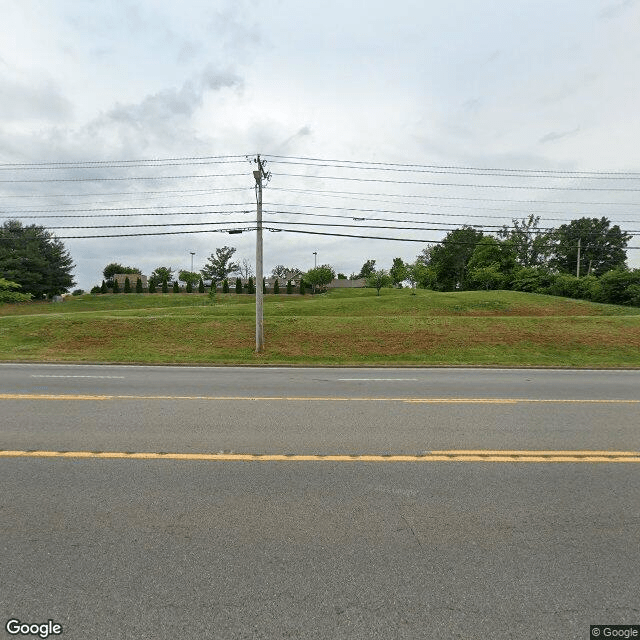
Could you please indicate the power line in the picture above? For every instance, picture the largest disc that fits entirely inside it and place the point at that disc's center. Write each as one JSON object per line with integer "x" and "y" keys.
{"x": 456, "y": 184}
{"x": 123, "y": 178}
{"x": 279, "y": 158}
{"x": 164, "y": 193}
{"x": 142, "y": 161}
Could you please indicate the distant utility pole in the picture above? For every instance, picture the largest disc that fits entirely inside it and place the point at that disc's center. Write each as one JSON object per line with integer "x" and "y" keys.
{"x": 259, "y": 174}
{"x": 193, "y": 253}
{"x": 578, "y": 265}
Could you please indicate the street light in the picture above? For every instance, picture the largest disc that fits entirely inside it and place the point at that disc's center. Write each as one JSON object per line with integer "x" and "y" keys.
{"x": 315, "y": 259}
{"x": 193, "y": 253}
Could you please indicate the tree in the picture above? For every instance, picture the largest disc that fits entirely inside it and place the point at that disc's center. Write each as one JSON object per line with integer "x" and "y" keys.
{"x": 285, "y": 273}
{"x": 219, "y": 265}
{"x": 367, "y": 269}
{"x": 225, "y": 286}
{"x": 245, "y": 269}
{"x": 289, "y": 287}
{"x": 379, "y": 279}
{"x": 276, "y": 287}
{"x": 531, "y": 245}
{"x": 450, "y": 258}
{"x": 250, "y": 286}
{"x": 264, "y": 285}
{"x": 238, "y": 285}
{"x": 165, "y": 286}
{"x": 398, "y": 271}
{"x": 35, "y": 259}
{"x": 116, "y": 287}
{"x": 320, "y": 276}
{"x": 602, "y": 247}
{"x": 160, "y": 274}
{"x": 152, "y": 286}
{"x": 127, "y": 285}
{"x": 303, "y": 288}
{"x": 189, "y": 277}
{"x": 491, "y": 264}
{"x": 201, "y": 286}
{"x": 139, "y": 285}
{"x": 103, "y": 287}
{"x": 8, "y": 292}
{"x": 176, "y": 287}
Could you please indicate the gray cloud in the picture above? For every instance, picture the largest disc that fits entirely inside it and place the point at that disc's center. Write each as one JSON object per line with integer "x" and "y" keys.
{"x": 554, "y": 135}
{"x": 36, "y": 99}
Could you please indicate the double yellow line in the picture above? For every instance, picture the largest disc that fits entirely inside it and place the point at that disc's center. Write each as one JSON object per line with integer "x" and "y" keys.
{"x": 452, "y": 455}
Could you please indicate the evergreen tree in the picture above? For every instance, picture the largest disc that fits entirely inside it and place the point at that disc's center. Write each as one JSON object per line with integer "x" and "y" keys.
{"x": 201, "y": 286}
{"x": 276, "y": 287}
{"x": 165, "y": 286}
{"x": 302, "y": 287}
{"x": 189, "y": 287}
{"x": 152, "y": 286}
{"x": 127, "y": 285}
{"x": 225, "y": 286}
{"x": 139, "y": 285}
{"x": 176, "y": 287}
{"x": 35, "y": 259}
{"x": 238, "y": 285}
{"x": 103, "y": 287}
{"x": 250, "y": 286}
{"x": 116, "y": 287}
{"x": 289, "y": 287}
{"x": 264, "y": 285}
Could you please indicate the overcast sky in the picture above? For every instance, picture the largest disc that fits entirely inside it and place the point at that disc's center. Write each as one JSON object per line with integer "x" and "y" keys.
{"x": 538, "y": 85}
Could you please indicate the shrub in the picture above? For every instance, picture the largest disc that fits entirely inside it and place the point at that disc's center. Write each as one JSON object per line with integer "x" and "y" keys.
{"x": 189, "y": 287}
{"x": 620, "y": 286}
{"x": 138, "y": 285}
{"x": 276, "y": 287}
{"x": 238, "y": 285}
{"x": 302, "y": 287}
{"x": 250, "y": 286}
{"x": 289, "y": 287}
{"x": 103, "y": 287}
{"x": 152, "y": 286}
{"x": 78, "y": 292}
{"x": 127, "y": 285}
{"x": 201, "y": 286}
{"x": 165, "y": 287}
{"x": 176, "y": 287}
{"x": 116, "y": 287}
{"x": 225, "y": 286}
{"x": 96, "y": 289}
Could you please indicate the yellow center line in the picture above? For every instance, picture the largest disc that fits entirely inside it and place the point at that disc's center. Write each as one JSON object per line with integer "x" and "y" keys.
{"x": 433, "y": 456}
{"x": 86, "y": 397}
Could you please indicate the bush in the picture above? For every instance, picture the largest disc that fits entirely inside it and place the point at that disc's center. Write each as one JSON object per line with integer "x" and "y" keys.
{"x": 116, "y": 287}
{"x": 152, "y": 286}
{"x": 276, "y": 287}
{"x": 225, "y": 286}
{"x": 250, "y": 286}
{"x": 103, "y": 287}
{"x": 289, "y": 287}
{"x": 138, "y": 285}
{"x": 78, "y": 292}
{"x": 176, "y": 287}
{"x": 564, "y": 285}
{"x": 238, "y": 285}
{"x": 96, "y": 289}
{"x": 532, "y": 279}
{"x": 620, "y": 286}
{"x": 189, "y": 287}
{"x": 127, "y": 285}
{"x": 302, "y": 287}
{"x": 165, "y": 287}
{"x": 201, "y": 286}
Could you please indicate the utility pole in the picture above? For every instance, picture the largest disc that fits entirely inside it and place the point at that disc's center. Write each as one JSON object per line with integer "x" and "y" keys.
{"x": 259, "y": 174}
{"x": 578, "y": 265}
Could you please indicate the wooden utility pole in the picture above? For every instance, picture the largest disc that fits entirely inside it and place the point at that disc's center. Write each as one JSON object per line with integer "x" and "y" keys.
{"x": 578, "y": 265}
{"x": 259, "y": 174}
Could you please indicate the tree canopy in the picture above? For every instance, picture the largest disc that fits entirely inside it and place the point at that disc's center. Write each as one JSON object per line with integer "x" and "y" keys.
{"x": 450, "y": 258}
{"x": 35, "y": 259}
{"x": 320, "y": 276}
{"x": 8, "y": 292}
{"x": 219, "y": 265}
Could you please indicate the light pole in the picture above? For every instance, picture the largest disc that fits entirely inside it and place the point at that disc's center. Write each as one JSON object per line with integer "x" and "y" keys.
{"x": 193, "y": 253}
{"x": 315, "y": 259}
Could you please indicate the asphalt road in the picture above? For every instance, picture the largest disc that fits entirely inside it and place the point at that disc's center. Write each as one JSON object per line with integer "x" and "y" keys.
{"x": 120, "y": 548}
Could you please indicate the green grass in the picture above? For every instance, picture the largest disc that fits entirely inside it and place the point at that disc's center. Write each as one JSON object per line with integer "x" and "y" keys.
{"x": 342, "y": 327}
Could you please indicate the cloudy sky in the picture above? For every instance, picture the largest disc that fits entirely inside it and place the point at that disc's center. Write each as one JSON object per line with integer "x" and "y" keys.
{"x": 540, "y": 90}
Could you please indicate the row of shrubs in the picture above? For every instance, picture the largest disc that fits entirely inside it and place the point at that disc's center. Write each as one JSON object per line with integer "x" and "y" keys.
{"x": 619, "y": 286}
{"x": 249, "y": 287}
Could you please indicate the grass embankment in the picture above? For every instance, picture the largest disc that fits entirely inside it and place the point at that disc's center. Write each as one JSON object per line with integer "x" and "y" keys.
{"x": 341, "y": 327}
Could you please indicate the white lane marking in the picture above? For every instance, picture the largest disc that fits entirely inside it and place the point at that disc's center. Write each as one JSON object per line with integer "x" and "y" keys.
{"x": 65, "y": 376}
{"x": 377, "y": 379}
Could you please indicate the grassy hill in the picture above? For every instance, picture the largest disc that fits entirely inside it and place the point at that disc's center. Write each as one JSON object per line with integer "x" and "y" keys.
{"x": 341, "y": 327}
